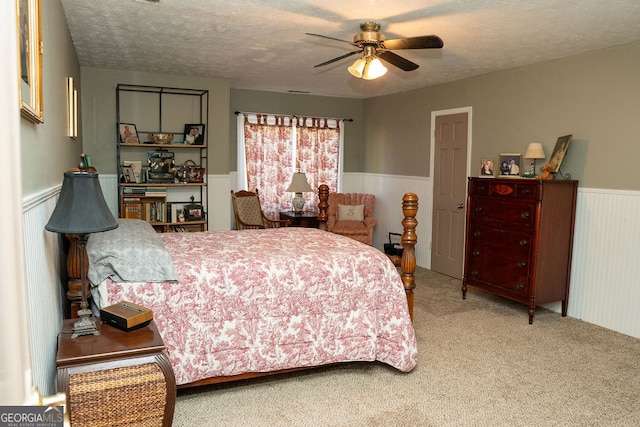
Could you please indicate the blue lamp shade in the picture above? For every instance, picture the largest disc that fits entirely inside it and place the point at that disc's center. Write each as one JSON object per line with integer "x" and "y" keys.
{"x": 81, "y": 208}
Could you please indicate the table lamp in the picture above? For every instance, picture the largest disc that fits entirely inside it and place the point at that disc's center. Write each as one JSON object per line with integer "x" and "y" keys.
{"x": 299, "y": 185}
{"x": 81, "y": 210}
{"x": 534, "y": 151}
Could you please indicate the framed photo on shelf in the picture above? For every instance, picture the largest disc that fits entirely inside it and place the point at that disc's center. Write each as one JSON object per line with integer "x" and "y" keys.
{"x": 510, "y": 165}
{"x": 194, "y": 134}
{"x": 486, "y": 168}
{"x": 128, "y": 174}
{"x": 559, "y": 151}
{"x": 128, "y": 133}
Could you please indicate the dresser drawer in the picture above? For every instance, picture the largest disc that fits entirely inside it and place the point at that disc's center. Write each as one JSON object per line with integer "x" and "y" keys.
{"x": 513, "y": 213}
{"x": 505, "y": 188}
{"x": 499, "y": 257}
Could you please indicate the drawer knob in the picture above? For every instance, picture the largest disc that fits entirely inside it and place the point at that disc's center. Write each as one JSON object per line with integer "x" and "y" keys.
{"x": 520, "y": 286}
{"x": 478, "y": 209}
{"x": 524, "y": 242}
{"x": 525, "y": 191}
{"x": 474, "y": 273}
{"x": 522, "y": 264}
{"x": 524, "y": 215}
{"x": 476, "y": 233}
{"x": 476, "y": 253}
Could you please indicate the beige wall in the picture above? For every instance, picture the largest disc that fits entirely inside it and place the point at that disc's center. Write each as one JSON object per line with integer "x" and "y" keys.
{"x": 46, "y": 151}
{"x": 304, "y": 105}
{"x": 99, "y": 113}
{"x": 594, "y": 96}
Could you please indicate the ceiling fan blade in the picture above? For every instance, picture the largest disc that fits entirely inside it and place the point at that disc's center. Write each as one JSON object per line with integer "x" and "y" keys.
{"x": 419, "y": 42}
{"x": 397, "y": 60}
{"x": 346, "y": 55}
{"x": 330, "y": 38}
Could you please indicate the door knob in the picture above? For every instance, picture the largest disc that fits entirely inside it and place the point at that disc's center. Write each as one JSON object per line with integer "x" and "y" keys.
{"x": 460, "y": 206}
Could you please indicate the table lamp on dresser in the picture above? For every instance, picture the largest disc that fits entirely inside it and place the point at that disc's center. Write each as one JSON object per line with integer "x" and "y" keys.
{"x": 534, "y": 151}
{"x": 81, "y": 210}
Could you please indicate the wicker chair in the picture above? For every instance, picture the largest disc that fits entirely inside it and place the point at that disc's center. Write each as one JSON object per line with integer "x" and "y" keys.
{"x": 360, "y": 230}
{"x": 248, "y": 212}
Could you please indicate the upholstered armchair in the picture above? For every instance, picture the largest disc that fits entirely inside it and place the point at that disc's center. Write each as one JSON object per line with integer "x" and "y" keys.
{"x": 351, "y": 214}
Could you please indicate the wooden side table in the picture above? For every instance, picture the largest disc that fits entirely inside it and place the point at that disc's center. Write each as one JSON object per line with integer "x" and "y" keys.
{"x": 116, "y": 378}
{"x": 307, "y": 219}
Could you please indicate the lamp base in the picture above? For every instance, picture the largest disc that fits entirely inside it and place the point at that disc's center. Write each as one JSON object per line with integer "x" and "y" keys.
{"x": 298, "y": 203}
{"x": 86, "y": 325}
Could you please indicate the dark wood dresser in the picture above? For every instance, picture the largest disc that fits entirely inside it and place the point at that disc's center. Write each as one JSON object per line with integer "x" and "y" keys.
{"x": 519, "y": 239}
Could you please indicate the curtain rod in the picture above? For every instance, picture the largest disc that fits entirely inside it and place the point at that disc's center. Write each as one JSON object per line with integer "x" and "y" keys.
{"x": 292, "y": 115}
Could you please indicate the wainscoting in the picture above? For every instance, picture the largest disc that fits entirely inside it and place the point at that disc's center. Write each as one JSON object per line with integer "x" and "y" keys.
{"x": 604, "y": 283}
{"x": 45, "y": 293}
{"x": 389, "y": 190}
{"x": 605, "y": 275}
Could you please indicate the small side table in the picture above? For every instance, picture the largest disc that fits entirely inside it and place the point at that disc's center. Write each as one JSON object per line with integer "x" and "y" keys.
{"x": 307, "y": 219}
{"x": 116, "y": 378}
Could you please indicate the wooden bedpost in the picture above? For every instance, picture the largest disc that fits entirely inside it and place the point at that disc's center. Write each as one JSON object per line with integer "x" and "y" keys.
{"x": 409, "y": 239}
{"x": 323, "y": 216}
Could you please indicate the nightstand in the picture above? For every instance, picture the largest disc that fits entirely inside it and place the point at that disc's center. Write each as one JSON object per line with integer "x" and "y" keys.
{"x": 307, "y": 219}
{"x": 117, "y": 377}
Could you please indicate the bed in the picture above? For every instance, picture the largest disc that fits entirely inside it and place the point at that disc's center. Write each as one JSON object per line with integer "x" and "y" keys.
{"x": 238, "y": 304}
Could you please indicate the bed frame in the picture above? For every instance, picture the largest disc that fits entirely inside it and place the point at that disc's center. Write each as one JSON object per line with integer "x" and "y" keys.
{"x": 407, "y": 264}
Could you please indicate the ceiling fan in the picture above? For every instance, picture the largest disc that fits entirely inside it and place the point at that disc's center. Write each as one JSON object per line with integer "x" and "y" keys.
{"x": 374, "y": 45}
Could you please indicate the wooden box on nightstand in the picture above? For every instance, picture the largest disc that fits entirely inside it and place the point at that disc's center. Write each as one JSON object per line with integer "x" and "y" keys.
{"x": 116, "y": 378}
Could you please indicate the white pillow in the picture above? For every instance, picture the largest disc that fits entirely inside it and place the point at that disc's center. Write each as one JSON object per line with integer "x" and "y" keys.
{"x": 350, "y": 212}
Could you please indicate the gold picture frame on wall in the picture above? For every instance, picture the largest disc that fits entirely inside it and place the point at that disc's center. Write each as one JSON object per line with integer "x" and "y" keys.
{"x": 30, "y": 60}
{"x": 72, "y": 108}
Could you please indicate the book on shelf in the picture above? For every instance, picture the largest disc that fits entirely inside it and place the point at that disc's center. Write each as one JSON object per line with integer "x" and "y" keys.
{"x": 134, "y": 190}
{"x": 145, "y": 208}
{"x": 156, "y": 191}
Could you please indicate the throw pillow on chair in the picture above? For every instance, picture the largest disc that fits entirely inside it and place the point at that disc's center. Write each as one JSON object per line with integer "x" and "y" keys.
{"x": 350, "y": 212}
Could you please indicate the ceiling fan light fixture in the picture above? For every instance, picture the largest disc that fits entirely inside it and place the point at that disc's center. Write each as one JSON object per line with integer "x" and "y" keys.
{"x": 369, "y": 67}
{"x": 374, "y": 69}
{"x": 357, "y": 68}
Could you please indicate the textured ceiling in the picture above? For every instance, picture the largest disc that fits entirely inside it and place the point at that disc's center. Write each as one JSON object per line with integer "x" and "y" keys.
{"x": 261, "y": 44}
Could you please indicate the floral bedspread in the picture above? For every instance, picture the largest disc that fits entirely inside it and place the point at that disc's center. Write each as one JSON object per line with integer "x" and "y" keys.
{"x": 264, "y": 300}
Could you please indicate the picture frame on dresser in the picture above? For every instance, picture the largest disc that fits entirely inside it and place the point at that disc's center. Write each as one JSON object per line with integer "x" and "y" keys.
{"x": 510, "y": 165}
{"x": 486, "y": 168}
{"x": 559, "y": 152}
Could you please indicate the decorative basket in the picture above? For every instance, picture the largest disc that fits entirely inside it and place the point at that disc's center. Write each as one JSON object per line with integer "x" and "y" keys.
{"x": 190, "y": 173}
{"x": 160, "y": 138}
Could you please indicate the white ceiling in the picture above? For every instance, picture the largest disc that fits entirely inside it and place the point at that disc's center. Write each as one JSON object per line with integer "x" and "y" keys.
{"x": 261, "y": 44}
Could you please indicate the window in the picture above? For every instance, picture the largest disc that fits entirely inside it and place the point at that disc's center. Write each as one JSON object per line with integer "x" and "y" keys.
{"x": 271, "y": 148}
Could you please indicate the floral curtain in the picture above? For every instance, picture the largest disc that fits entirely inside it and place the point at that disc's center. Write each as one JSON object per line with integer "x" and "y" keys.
{"x": 272, "y": 148}
{"x": 318, "y": 154}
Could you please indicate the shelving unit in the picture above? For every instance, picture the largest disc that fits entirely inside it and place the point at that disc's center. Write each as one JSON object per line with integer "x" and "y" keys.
{"x": 157, "y": 109}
